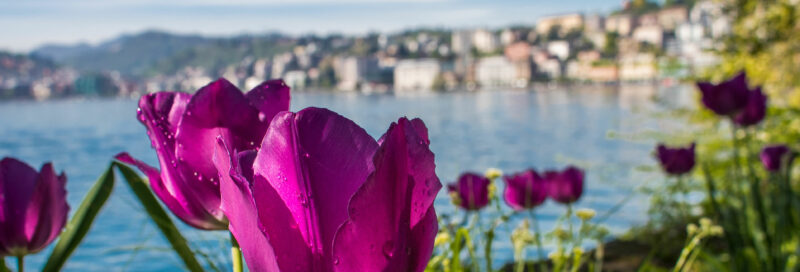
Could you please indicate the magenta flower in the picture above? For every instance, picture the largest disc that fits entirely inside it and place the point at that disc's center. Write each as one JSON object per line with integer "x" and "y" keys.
{"x": 525, "y": 190}
{"x": 727, "y": 98}
{"x": 676, "y": 161}
{"x": 471, "y": 191}
{"x": 322, "y": 195}
{"x": 772, "y": 157}
{"x": 183, "y": 129}
{"x": 566, "y": 186}
{"x": 754, "y": 111}
{"x": 33, "y": 207}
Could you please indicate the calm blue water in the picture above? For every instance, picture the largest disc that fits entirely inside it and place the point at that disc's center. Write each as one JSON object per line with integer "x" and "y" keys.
{"x": 510, "y": 130}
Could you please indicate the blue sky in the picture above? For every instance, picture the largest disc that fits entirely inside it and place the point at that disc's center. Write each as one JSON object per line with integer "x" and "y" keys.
{"x": 27, "y": 24}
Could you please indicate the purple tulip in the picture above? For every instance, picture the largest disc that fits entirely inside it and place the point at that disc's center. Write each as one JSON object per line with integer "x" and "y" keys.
{"x": 772, "y": 157}
{"x": 471, "y": 191}
{"x": 183, "y": 129}
{"x": 754, "y": 111}
{"x": 525, "y": 190}
{"x": 566, "y": 186}
{"x": 322, "y": 195}
{"x": 676, "y": 161}
{"x": 33, "y": 207}
{"x": 727, "y": 98}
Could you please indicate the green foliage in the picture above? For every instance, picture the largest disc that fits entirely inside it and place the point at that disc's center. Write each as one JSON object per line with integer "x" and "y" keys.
{"x": 81, "y": 221}
{"x": 765, "y": 42}
{"x": 159, "y": 216}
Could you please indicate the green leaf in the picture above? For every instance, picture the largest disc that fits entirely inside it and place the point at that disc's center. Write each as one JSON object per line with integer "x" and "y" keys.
{"x": 81, "y": 221}
{"x": 3, "y": 267}
{"x": 142, "y": 191}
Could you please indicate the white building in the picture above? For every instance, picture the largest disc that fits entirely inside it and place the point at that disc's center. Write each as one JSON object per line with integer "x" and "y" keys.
{"x": 500, "y": 72}
{"x": 350, "y": 72}
{"x": 637, "y": 67}
{"x": 652, "y": 34}
{"x": 296, "y": 79}
{"x": 461, "y": 41}
{"x": 623, "y": 24}
{"x": 559, "y": 49}
{"x": 415, "y": 75}
{"x": 484, "y": 40}
{"x": 549, "y": 67}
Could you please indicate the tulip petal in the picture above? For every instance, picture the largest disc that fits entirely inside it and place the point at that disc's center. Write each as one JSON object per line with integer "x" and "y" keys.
{"x": 178, "y": 197}
{"x": 47, "y": 211}
{"x": 389, "y": 226}
{"x": 311, "y": 163}
{"x": 240, "y": 208}
{"x": 217, "y": 109}
{"x": 270, "y": 98}
{"x": 17, "y": 184}
{"x": 525, "y": 190}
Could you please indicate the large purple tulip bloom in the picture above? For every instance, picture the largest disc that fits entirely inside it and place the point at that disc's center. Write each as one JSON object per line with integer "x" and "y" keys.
{"x": 772, "y": 157}
{"x": 322, "y": 195}
{"x": 754, "y": 111}
{"x": 472, "y": 191}
{"x": 565, "y": 186}
{"x": 676, "y": 161}
{"x": 183, "y": 129}
{"x": 525, "y": 190}
{"x": 33, "y": 207}
{"x": 727, "y": 98}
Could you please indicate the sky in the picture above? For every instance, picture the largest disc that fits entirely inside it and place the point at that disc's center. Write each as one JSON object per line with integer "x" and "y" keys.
{"x": 27, "y": 24}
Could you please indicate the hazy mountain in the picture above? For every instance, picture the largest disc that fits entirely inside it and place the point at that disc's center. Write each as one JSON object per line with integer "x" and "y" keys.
{"x": 128, "y": 54}
{"x": 61, "y": 52}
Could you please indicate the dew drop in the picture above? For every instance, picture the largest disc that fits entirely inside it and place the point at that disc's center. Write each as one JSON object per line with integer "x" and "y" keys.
{"x": 262, "y": 117}
{"x": 252, "y": 143}
{"x": 388, "y": 249}
{"x": 336, "y": 261}
{"x": 306, "y": 155}
{"x": 195, "y": 174}
{"x": 189, "y": 113}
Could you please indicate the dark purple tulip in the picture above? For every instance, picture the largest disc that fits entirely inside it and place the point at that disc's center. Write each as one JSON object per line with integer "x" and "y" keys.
{"x": 772, "y": 156}
{"x": 754, "y": 111}
{"x": 322, "y": 195}
{"x": 676, "y": 161}
{"x": 183, "y": 129}
{"x": 472, "y": 191}
{"x": 566, "y": 186}
{"x": 727, "y": 98}
{"x": 33, "y": 207}
{"x": 525, "y": 190}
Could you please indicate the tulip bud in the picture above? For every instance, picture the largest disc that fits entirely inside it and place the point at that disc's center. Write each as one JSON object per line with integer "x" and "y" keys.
{"x": 35, "y": 207}
{"x": 676, "y": 161}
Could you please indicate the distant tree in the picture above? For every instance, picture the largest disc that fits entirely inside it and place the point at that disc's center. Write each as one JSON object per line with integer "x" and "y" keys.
{"x": 611, "y": 48}
{"x": 765, "y": 42}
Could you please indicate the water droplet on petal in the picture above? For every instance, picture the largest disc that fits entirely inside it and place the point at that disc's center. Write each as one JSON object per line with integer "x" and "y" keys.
{"x": 262, "y": 117}
{"x": 388, "y": 249}
{"x": 336, "y": 261}
{"x": 195, "y": 174}
{"x": 306, "y": 155}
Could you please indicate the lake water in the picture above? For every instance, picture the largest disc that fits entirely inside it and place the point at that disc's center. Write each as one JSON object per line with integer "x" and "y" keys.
{"x": 510, "y": 130}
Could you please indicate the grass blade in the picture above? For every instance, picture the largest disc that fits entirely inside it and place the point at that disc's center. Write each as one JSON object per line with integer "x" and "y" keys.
{"x": 159, "y": 216}
{"x": 81, "y": 221}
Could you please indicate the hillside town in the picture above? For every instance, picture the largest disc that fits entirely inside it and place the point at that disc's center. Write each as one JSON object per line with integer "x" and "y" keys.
{"x": 638, "y": 44}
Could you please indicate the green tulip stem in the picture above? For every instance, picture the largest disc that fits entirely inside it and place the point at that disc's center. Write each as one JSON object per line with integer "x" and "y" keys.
{"x": 236, "y": 255}
{"x": 21, "y": 263}
{"x": 541, "y": 258}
